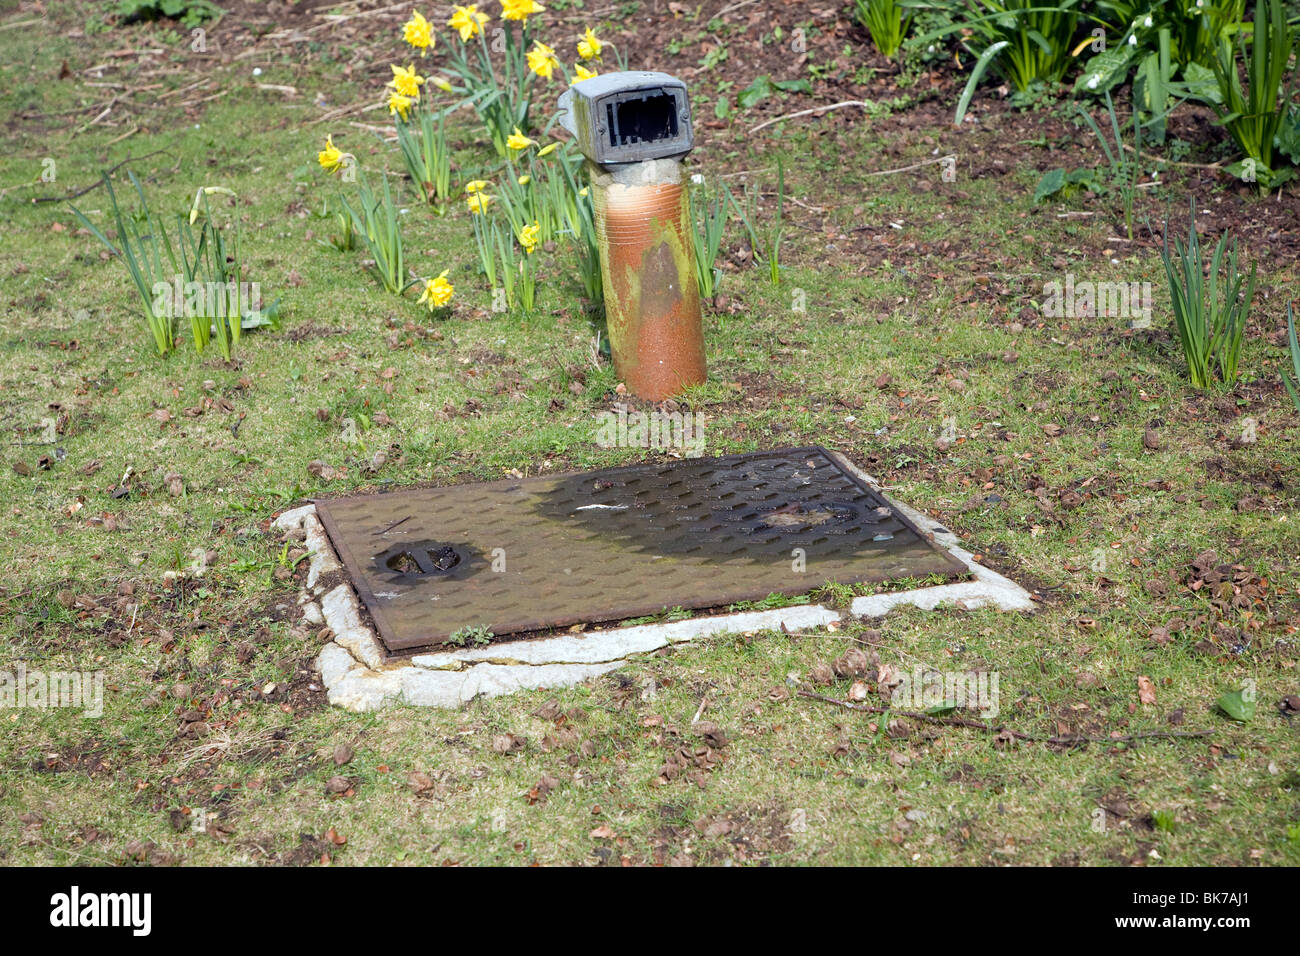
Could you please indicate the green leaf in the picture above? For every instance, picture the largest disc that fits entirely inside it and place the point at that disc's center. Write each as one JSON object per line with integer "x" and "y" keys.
{"x": 1238, "y": 704}
{"x": 1292, "y": 389}
{"x": 976, "y": 72}
{"x": 1105, "y": 69}
{"x": 1199, "y": 84}
{"x": 755, "y": 93}
{"x": 722, "y": 108}
{"x": 1053, "y": 182}
{"x": 1287, "y": 140}
{"x": 793, "y": 86}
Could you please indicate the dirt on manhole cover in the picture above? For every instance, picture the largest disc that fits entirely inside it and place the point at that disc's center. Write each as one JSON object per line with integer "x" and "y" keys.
{"x": 516, "y": 556}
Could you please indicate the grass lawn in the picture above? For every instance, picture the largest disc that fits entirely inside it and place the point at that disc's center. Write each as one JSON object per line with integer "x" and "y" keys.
{"x": 907, "y": 331}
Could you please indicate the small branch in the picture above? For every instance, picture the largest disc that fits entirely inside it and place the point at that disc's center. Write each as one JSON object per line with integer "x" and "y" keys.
{"x": 345, "y": 110}
{"x": 1066, "y": 740}
{"x": 278, "y": 88}
{"x": 117, "y": 139}
{"x": 815, "y": 111}
{"x": 704, "y": 702}
{"x": 950, "y": 158}
{"x": 1174, "y": 162}
{"x": 100, "y": 182}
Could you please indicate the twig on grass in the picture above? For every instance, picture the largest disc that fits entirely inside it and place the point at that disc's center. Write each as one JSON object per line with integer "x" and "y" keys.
{"x": 816, "y": 110}
{"x": 100, "y": 181}
{"x": 950, "y": 158}
{"x": 129, "y": 133}
{"x": 1173, "y": 162}
{"x": 1067, "y": 740}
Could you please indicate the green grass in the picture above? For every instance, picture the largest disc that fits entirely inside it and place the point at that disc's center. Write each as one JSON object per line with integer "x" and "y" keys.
{"x": 481, "y": 394}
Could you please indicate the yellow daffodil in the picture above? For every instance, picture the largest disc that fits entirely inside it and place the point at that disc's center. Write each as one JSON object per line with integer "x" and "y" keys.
{"x": 475, "y": 186}
{"x": 437, "y": 292}
{"x": 399, "y": 104}
{"x": 468, "y": 21}
{"x": 331, "y": 158}
{"x": 547, "y": 150}
{"x": 518, "y": 141}
{"x": 478, "y": 202}
{"x": 407, "y": 81}
{"x": 542, "y": 61}
{"x": 590, "y": 45}
{"x": 583, "y": 191}
{"x": 441, "y": 83}
{"x": 520, "y": 9}
{"x": 528, "y": 237}
{"x": 525, "y": 180}
{"x": 418, "y": 32}
{"x": 581, "y": 73}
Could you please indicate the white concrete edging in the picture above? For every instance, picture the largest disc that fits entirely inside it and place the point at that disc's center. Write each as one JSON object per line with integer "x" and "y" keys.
{"x": 358, "y": 677}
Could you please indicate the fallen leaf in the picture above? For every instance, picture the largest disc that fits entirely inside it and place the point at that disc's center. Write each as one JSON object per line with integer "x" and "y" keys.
{"x": 711, "y": 733}
{"x": 852, "y": 663}
{"x": 508, "y": 743}
{"x": 1146, "y": 690}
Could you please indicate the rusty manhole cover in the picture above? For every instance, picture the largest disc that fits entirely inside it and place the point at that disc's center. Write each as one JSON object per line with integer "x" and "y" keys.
{"x": 526, "y": 555}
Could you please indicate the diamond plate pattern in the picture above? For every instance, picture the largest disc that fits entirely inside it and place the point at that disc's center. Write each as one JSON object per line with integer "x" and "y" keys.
{"x": 539, "y": 553}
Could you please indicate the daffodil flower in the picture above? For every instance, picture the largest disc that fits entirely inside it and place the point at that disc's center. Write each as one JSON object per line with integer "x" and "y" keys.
{"x": 590, "y": 45}
{"x": 525, "y": 179}
{"x": 331, "y": 158}
{"x": 581, "y": 73}
{"x": 441, "y": 83}
{"x": 542, "y": 61}
{"x": 518, "y": 141}
{"x": 547, "y": 150}
{"x": 418, "y": 32}
{"x": 437, "y": 292}
{"x": 528, "y": 237}
{"x": 468, "y": 21}
{"x": 520, "y": 9}
{"x": 406, "y": 81}
{"x": 475, "y": 186}
{"x": 478, "y": 202}
{"x": 399, "y": 104}
{"x": 207, "y": 191}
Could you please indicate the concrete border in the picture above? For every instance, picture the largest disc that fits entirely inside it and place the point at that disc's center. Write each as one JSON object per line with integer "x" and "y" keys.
{"x": 357, "y": 676}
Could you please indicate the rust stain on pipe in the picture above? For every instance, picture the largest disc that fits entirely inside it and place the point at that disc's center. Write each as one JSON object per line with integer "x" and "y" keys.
{"x": 652, "y": 302}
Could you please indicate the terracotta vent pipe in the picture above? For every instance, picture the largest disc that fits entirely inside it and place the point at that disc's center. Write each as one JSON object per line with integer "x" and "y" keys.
{"x": 634, "y": 129}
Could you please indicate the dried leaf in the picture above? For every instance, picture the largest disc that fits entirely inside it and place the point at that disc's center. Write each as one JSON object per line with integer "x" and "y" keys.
{"x": 1146, "y": 690}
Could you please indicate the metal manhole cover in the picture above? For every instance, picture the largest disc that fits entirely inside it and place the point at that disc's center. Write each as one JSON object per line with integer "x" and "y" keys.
{"x": 526, "y": 555}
